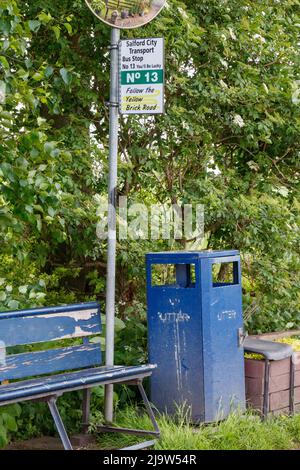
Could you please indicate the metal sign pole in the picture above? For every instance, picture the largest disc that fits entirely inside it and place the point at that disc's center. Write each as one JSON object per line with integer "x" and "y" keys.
{"x": 112, "y": 18}
{"x": 112, "y": 201}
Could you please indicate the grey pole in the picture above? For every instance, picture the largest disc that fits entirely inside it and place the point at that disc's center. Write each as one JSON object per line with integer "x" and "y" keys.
{"x": 112, "y": 235}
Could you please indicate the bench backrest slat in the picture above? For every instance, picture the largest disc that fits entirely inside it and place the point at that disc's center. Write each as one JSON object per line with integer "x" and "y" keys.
{"x": 23, "y": 365}
{"x": 49, "y": 324}
{"x": 43, "y": 325}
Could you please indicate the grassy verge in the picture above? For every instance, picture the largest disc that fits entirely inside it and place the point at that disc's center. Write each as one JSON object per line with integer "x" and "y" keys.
{"x": 237, "y": 432}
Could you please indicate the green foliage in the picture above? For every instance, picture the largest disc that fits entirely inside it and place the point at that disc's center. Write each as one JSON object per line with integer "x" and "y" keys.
{"x": 131, "y": 341}
{"x": 8, "y": 421}
{"x": 35, "y": 419}
{"x": 98, "y": 5}
{"x": 229, "y": 140}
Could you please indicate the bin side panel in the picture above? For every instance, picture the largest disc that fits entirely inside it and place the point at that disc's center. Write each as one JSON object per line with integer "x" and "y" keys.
{"x": 175, "y": 345}
{"x": 223, "y": 358}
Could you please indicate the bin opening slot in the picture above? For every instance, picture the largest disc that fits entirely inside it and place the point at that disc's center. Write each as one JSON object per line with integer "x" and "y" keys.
{"x": 173, "y": 275}
{"x": 225, "y": 274}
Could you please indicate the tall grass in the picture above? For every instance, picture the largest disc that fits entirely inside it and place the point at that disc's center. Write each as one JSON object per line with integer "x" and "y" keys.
{"x": 238, "y": 432}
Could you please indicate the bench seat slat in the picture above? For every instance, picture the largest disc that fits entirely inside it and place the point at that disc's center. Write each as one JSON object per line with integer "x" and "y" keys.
{"x": 23, "y": 365}
{"x": 28, "y": 389}
{"x": 49, "y": 324}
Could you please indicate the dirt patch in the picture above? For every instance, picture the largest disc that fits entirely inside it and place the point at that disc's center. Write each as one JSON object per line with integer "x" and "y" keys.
{"x": 53, "y": 443}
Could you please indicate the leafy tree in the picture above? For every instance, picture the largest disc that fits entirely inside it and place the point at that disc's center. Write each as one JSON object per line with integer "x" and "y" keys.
{"x": 229, "y": 140}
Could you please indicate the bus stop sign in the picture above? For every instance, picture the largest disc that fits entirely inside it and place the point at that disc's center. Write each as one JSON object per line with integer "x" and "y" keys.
{"x": 141, "y": 76}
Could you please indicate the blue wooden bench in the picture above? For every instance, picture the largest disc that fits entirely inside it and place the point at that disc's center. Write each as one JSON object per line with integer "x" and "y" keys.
{"x": 62, "y": 369}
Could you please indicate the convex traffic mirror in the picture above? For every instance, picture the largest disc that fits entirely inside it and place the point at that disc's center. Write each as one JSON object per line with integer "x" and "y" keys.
{"x": 126, "y": 14}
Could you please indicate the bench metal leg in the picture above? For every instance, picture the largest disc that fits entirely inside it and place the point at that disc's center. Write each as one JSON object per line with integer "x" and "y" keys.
{"x": 142, "y": 445}
{"x": 86, "y": 406}
{"x": 148, "y": 408}
{"x": 138, "y": 432}
{"x": 266, "y": 389}
{"x": 59, "y": 424}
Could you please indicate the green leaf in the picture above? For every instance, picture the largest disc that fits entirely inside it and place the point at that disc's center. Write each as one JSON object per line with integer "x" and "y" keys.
{"x": 56, "y": 31}
{"x": 3, "y": 435}
{"x": 39, "y": 224}
{"x": 9, "y": 421}
{"x": 13, "y": 304}
{"x": 23, "y": 289}
{"x": 99, "y": 340}
{"x": 4, "y": 62}
{"x": 49, "y": 71}
{"x": 51, "y": 211}
{"x": 45, "y": 17}
{"x": 68, "y": 28}
{"x": 65, "y": 75}
{"x": 34, "y": 25}
{"x": 2, "y": 91}
{"x": 119, "y": 325}
{"x": 49, "y": 146}
{"x": 38, "y": 76}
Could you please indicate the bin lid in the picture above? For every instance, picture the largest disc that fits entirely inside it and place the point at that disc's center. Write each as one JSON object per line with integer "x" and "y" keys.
{"x": 269, "y": 349}
{"x": 191, "y": 255}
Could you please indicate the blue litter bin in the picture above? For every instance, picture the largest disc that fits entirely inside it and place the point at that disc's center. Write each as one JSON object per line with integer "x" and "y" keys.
{"x": 195, "y": 332}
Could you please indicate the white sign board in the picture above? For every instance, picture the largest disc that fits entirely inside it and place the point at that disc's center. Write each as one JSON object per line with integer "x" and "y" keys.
{"x": 142, "y": 76}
